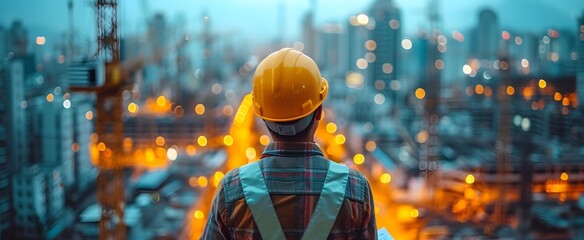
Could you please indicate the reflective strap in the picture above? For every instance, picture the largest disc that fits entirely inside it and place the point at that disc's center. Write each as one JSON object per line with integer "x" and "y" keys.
{"x": 329, "y": 203}
{"x": 263, "y": 212}
{"x": 259, "y": 202}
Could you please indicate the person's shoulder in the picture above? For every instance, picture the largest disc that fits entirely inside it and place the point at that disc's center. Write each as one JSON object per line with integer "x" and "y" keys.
{"x": 357, "y": 186}
{"x": 232, "y": 186}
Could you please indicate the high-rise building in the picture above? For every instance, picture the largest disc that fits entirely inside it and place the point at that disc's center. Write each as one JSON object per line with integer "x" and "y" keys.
{"x": 39, "y": 201}
{"x": 309, "y": 31}
{"x": 18, "y": 39}
{"x": 5, "y": 163}
{"x": 329, "y": 56}
{"x": 580, "y": 65}
{"x": 57, "y": 137}
{"x": 83, "y": 113}
{"x": 486, "y": 36}
{"x": 3, "y": 43}
{"x": 386, "y": 36}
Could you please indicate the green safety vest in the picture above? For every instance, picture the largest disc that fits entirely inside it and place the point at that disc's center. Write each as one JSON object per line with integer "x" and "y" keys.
{"x": 262, "y": 209}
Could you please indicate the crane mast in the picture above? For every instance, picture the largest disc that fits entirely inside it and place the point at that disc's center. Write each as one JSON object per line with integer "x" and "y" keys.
{"x": 108, "y": 123}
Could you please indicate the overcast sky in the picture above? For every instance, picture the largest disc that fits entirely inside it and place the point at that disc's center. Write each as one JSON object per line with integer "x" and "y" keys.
{"x": 258, "y": 19}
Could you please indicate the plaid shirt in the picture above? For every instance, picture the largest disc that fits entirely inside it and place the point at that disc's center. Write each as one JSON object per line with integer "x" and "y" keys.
{"x": 294, "y": 174}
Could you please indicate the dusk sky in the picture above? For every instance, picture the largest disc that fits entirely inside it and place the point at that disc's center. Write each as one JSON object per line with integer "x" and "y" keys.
{"x": 258, "y": 19}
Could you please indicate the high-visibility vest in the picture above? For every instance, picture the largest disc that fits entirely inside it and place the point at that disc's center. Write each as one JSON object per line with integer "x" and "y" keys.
{"x": 262, "y": 209}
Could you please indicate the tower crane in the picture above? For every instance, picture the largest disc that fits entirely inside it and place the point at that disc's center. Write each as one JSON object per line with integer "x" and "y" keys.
{"x": 108, "y": 123}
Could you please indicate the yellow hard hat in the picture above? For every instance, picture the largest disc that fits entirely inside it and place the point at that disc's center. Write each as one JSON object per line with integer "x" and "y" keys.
{"x": 287, "y": 86}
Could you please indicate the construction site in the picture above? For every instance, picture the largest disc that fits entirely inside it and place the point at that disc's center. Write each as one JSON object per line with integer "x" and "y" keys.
{"x": 468, "y": 133}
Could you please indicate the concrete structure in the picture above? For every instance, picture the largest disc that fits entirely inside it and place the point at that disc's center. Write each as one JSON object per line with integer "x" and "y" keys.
{"x": 486, "y": 36}
{"x": 580, "y": 65}
{"x": 386, "y": 34}
{"x": 39, "y": 201}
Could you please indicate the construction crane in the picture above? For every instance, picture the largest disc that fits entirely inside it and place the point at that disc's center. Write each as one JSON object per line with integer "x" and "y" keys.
{"x": 430, "y": 149}
{"x": 108, "y": 123}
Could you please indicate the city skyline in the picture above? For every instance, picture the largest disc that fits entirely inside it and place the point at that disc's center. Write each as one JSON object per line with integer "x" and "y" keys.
{"x": 259, "y": 20}
{"x": 453, "y": 128}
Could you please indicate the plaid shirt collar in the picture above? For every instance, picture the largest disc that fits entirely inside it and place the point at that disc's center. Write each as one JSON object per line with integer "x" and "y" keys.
{"x": 292, "y": 149}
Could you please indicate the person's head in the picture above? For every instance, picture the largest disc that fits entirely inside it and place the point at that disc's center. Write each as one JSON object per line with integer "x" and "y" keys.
{"x": 287, "y": 93}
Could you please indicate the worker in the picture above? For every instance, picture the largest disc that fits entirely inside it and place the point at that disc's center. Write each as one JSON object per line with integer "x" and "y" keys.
{"x": 293, "y": 191}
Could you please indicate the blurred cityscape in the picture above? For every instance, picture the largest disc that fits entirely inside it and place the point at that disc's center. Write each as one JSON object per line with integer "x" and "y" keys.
{"x": 468, "y": 134}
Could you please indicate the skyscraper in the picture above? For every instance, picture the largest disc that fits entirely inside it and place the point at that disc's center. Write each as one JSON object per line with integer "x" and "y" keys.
{"x": 486, "y": 36}
{"x": 580, "y": 65}
{"x": 386, "y": 34}
{"x": 12, "y": 137}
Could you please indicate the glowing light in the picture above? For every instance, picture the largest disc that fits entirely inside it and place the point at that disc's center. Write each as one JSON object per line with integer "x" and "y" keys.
{"x": 525, "y": 124}
{"x": 524, "y": 63}
{"x": 250, "y": 153}
{"x": 370, "y": 45}
{"x": 160, "y": 141}
{"x": 264, "y": 140}
{"x": 557, "y": 96}
{"x": 101, "y": 146}
{"x": 554, "y": 57}
{"x": 406, "y": 44}
{"x": 160, "y": 152}
{"x": 387, "y": 68}
{"x": 219, "y": 175}
{"x": 370, "y": 57}
{"x": 227, "y": 110}
{"x": 340, "y": 139}
{"x": 510, "y": 90}
{"x": 542, "y": 83}
{"x": 362, "y": 63}
{"x": 161, "y": 101}
{"x": 202, "y": 181}
{"x": 171, "y": 154}
{"x": 331, "y": 127}
{"x": 466, "y": 69}
{"x": 505, "y": 35}
{"x": 458, "y": 36}
{"x": 488, "y": 91}
{"x": 362, "y": 19}
{"x": 394, "y": 85}
{"x": 354, "y": 80}
{"x": 379, "y": 98}
{"x": 379, "y": 84}
{"x": 199, "y": 214}
{"x": 228, "y": 140}
{"x": 439, "y": 64}
{"x": 420, "y": 93}
{"x": 75, "y": 147}
{"x": 566, "y": 102}
{"x": 50, "y": 97}
{"x": 191, "y": 150}
{"x": 67, "y": 104}
{"x": 414, "y": 213}
{"x": 504, "y": 65}
{"x": 470, "y": 179}
{"x": 422, "y": 136}
{"x": 89, "y": 115}
{"x": 564, "y": 176}
{"x": 216, "y": 88}
{"x": 40, "y": 40}
{"x": 394, "y": 24}
{"x": 202, "y": 141}
{"x": 133, "y": 108}
{"x": 518, "y": 40}
{"x": 298, "y": 46}
{"x": 200, "y": 109}
{"x": 442, "y": 40}
{"x": 370, "y": 145}
{"x": 479, "y": 89}
{"x": 385, "y": 178}
{"x": 358, "y": 159}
